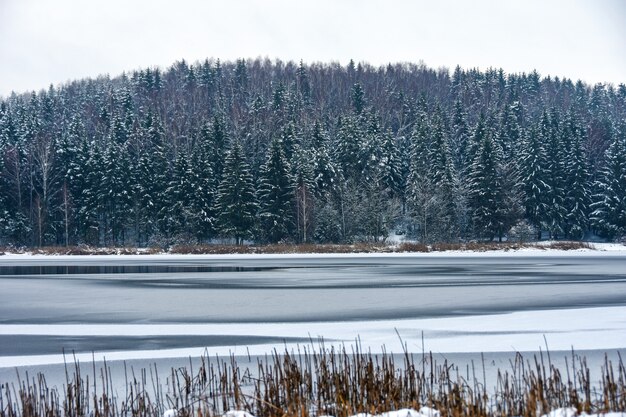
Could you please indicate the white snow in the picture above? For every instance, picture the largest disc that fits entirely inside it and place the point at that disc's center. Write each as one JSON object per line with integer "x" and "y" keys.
{"x": 431, "y": 412}
{"x": 571, "y": 412}
{"x": 578, "y": 328}
{"x": 562, "y": 412}
{"x": 237, "y": 413}
{"x": 405, "y": 412}
{"x": 170, "y": 413}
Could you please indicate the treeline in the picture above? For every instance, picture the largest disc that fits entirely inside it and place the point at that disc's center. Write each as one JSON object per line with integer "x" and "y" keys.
{"x": 285, "y": 152}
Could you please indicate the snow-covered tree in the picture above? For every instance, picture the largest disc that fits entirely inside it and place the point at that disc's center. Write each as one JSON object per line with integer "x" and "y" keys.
{"x": 276, "y": 195}
{"x": 491, "y": 191}
{"x": 460, "y": 135}
{"x": 533, "y": 179}
{"x": 609, "y": 207}
{"x": 236, "y": 202}
{"x": 577, "y": 187}
{"x": 555, "y": 178}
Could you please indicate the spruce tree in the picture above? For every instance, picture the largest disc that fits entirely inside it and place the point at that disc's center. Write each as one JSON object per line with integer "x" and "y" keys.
{"x": 609, "y": 207}
{"x": 93, "y": 210}
{"x": 152, "y": 179}
{"x": 443, "y": 178}
{"x": 116, "y": 192}
{"x": 390, "y": 165}
{"x": 534, "y": 177}
{"x": 276, "y": 195}
{"x": 203, "y": 200}
{"x": 358, "y": 98}
{"x": 349, "y": 148}
{"x": 178, "y": 213}
{"x": 460, "y": 135}
{"x": 486, "y": 192}
{"x": 304, "y": 180}
{"x": 325, "y": 171}
{"x": 236, "y": 202}
{"x": 421, "y": 198}
{"x": 577, "y": 194}
{"x": 555, "y": 158}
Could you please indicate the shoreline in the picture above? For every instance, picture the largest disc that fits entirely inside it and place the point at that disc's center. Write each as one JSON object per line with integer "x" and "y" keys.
{"x": 323, "y": 251}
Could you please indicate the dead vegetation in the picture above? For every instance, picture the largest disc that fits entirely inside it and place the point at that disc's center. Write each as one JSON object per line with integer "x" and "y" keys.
{"x": 326, "y": 382}
{"x": 365, "y": 247}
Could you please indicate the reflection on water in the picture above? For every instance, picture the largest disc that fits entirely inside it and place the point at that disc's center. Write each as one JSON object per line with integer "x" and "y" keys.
{"x": 120, "y": 269}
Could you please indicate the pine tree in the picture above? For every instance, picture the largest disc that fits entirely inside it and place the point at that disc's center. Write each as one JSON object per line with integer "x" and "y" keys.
{"x": 116, "y": 192}
{"x": 304, "y": 181}
{"x": 534, "y": 174}
{"x": 71, "y": 175}
{"x": 304, "y": 85}
{"x": 487, "y": 195}
{"x": 152, "y": 179}
{"x": 178, "y": 213}
{"x": 213, "y": 139}
{"x": 421, "y": 198}
{"x": 444, "y": 182}
{"x": 481, "y": 130}
{"x": 236, "y": 203}
{"x": 460, "y": 135}
{"x": 358, "y": 98}
{"x": 509, "y": 135}
{"x": 555, "y": 158}
{"x": 390, "y": 165}
{"x": 609, "y": 207}
{"x": 276, "y": 195}
{"x": 93, "y": 211}
{"x": 577, "y": 195}
{"x": 325, "y": 172}
{"x": 349, "y": 148}
{"x": 203, "y": 200}
{"x": 328, "y": 225}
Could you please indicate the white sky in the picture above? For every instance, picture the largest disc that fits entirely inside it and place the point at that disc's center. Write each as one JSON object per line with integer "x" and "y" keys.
{"x": 53, "y": 41}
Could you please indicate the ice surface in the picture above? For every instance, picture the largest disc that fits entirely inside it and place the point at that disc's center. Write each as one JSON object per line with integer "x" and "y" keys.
{"x": 578, "y": 328}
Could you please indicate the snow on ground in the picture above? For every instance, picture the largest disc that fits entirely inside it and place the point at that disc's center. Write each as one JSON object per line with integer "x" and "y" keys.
{"x": 578, "y": 328}
{"x": 603, "y": 249}
{"x": 428, "y": 412}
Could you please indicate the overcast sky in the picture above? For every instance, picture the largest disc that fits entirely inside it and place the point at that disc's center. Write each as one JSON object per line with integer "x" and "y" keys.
{"x": 53, "y": 41}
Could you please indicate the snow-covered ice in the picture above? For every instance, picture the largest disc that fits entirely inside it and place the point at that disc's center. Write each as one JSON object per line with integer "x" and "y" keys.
{"x": 578, "y": 328}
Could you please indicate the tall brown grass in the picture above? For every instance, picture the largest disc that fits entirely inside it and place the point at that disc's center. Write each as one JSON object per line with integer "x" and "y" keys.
{"x": 326, "y": 381}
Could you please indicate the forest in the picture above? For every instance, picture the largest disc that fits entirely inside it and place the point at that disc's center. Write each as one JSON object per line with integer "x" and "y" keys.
{"x": 268, "y": 151}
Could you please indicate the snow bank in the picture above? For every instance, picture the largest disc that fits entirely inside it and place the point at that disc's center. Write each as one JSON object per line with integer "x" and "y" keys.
{"x": 405, "y": 412}
{"x": 427, "y": 412}
{"x": 562, "y": 412}
{"x": 571, "y": 412}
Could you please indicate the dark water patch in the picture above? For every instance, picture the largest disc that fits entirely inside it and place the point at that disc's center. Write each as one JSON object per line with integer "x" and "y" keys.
{"x": 14, "y": 345}
{"x": 24, "y": 270}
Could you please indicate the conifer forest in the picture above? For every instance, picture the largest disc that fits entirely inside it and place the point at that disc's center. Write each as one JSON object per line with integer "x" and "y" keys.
{"x": 269, "y": 151}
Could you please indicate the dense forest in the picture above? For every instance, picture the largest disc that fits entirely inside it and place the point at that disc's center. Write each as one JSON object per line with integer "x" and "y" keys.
{"x": 272, "y": 151}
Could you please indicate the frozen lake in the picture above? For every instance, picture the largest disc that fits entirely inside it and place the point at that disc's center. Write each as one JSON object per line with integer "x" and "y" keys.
{"x": 157, "y": 307}
{"x": 55, "y": 290}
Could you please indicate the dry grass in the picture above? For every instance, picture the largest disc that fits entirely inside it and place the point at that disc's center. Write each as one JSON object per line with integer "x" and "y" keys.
{"x": 329, "y": 382}
{"x": 569, "y": 245}
{"x": 280, "y": 249}
{"x": 413, "y": 247}
{"x": 84, "y": 250}
{"x": 480, "y": 246}
{"x": 365, "y": 247}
